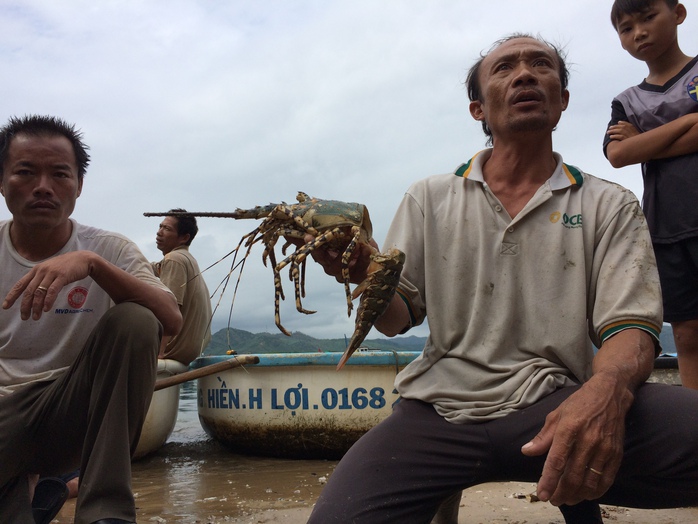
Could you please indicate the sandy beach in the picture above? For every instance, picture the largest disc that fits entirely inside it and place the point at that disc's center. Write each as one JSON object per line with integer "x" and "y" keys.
{"x": 195, "y": 480}
{"x": 496, "y": 503}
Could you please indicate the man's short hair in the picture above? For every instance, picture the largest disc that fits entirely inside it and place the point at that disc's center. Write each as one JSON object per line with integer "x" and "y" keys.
{"x": 186, "y": 224}
{"x": 630, "y": 7}
{"x": 473, "y": 80}
{"x": 40, "y": 125}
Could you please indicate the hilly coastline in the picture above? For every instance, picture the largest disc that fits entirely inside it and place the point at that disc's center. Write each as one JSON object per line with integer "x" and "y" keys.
{"x": 244, "y": 342}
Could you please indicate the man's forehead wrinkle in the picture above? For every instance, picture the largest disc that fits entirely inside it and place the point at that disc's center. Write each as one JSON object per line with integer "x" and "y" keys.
{"x": 30, "y": 162}
{"x": 514, "y": 55}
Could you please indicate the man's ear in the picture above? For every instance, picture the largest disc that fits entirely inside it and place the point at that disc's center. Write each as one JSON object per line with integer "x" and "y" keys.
{"x": 476, "y": 110}
{"x": 183, "y": 239}
{"x": 680, "y": 12}
{"x": 565, "y": 99}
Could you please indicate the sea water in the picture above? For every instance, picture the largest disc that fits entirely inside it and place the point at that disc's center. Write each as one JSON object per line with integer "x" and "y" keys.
{"x": 194, "y": 479}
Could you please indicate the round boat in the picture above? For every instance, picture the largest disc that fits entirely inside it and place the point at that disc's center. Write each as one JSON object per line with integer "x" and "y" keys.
{"x": 296, "y": 405}
{"x": 162, "y": 413}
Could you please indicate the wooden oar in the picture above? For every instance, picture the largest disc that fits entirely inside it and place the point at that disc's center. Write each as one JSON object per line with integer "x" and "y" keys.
{"x": 242, "y": 360}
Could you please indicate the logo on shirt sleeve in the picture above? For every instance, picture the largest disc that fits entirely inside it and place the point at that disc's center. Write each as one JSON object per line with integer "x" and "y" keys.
{"x": 692, "y": 88}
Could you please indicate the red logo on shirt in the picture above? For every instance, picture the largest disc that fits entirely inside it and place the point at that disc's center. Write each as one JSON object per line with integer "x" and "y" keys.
{"x": 77, "y": 297}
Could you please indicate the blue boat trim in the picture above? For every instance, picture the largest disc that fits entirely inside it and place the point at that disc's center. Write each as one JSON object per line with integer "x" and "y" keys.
{"x": 360, "y": 358}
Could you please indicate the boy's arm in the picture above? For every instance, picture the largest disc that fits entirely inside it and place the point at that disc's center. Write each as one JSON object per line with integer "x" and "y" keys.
{"x": 684, "y": 145}
{"x": 675, "y": 138}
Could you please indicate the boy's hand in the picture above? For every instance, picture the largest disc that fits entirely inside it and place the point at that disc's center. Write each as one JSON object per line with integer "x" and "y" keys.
{"x": 622, "y": 130}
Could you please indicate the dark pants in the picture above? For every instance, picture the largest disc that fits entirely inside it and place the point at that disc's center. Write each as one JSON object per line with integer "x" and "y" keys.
{"x": 401, "y": 470}
{"x": 90, "y": 417}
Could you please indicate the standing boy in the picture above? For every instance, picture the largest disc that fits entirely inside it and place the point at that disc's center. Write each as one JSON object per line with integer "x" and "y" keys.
{"x": 656, "y": 124}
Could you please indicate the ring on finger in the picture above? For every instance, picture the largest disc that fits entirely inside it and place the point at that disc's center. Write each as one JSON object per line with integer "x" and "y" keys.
{"x": 594, "y": 470}
{"x": 42, "y": 288}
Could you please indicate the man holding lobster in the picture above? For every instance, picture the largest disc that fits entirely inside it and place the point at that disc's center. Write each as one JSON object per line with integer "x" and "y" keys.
{"x": 521, "y": 264}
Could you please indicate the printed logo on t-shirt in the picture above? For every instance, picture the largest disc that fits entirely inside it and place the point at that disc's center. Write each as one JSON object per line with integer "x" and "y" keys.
{"x": 692, "y": 88}
{"x": 569, "y": 221}
{"x": 76, "y": 299}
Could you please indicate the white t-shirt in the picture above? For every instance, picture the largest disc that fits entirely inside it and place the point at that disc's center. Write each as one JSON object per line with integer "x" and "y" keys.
{"x": 41, "y": 349}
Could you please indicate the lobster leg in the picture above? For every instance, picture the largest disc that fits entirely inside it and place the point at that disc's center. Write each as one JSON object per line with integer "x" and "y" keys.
{"x": 346, "y": 257}
{"x": 299, "y": 257}
{"x": 278, "y": 296}
{"x": 298, "y": 263}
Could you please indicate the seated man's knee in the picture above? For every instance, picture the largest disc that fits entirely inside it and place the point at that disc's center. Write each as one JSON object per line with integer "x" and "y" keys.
{"x": 133, "y": 317}
{"x": 133, "y": 327}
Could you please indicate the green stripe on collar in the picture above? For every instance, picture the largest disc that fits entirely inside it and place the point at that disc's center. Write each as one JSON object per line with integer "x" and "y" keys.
{"x": 464, "y": 169}
{"x": 573, "y": 173}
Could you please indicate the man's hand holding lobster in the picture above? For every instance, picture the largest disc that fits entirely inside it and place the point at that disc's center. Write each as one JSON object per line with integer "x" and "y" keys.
{"x": 331, "y": 258}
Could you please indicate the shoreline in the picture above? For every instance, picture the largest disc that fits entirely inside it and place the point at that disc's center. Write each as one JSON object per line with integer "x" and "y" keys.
{"x": 492, "y": 503}
{"x": 193, "y": 479}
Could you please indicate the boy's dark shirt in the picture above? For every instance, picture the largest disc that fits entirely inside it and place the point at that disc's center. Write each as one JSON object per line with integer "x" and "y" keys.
{"x": 670, "y": 198}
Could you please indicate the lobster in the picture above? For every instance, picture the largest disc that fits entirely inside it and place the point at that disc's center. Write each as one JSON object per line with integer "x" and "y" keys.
{"x": 334, "y": 224}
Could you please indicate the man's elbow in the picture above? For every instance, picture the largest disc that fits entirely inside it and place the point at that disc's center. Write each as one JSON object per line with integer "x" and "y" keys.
{"x": 172, "y": 327}
{"x": 395, "y": 320}
{"x": 172, "y": 321}
{"x": 179, "y": 320}
{"x": 389, "y": 330}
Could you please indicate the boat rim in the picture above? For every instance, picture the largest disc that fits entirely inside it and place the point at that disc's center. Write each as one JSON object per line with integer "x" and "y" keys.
{"x": 367, "y": 357}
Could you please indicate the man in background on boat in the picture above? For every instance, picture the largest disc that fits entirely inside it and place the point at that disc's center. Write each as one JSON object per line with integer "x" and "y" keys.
{"x": 80, "y": 327}
{"x": 519, "y": 262}
{"x": 180, "y": 272}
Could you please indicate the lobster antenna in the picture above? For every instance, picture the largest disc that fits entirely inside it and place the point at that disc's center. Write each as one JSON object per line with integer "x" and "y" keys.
{"x": 211, "y": 214}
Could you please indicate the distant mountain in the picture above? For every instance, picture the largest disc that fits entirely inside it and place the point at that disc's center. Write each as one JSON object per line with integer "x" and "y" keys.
{"x": 244, "y": 342}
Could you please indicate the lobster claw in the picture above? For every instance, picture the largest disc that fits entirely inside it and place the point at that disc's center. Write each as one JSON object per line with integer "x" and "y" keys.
{"x": 376, "y": 293}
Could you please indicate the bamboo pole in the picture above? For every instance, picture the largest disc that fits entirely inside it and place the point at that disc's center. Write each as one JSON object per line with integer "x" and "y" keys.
{"x": 242, "y": 360}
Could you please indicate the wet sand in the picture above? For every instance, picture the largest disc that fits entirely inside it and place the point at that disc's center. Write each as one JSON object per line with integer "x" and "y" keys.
{"x": 291, "y": 493}
{"x": 203, "y": 482}
{"x": 193, "y": 479}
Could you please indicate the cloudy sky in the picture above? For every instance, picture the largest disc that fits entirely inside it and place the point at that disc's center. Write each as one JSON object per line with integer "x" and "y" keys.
{"x": 214, "y": 105}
